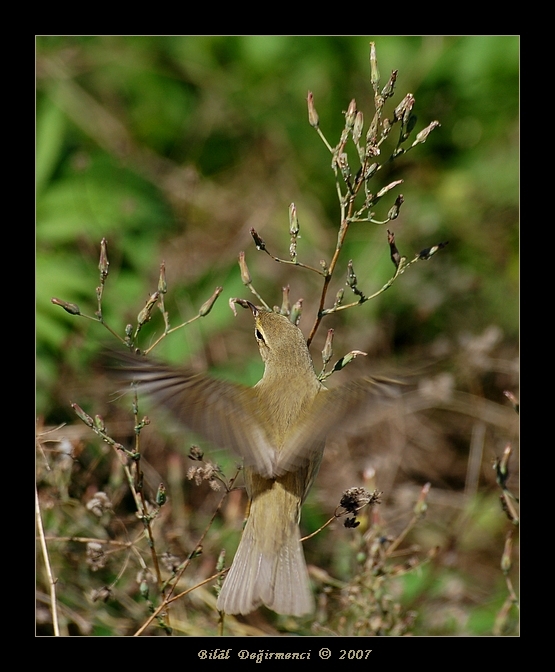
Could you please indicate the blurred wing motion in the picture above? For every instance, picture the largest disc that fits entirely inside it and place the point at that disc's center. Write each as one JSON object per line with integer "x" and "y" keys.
{"x": 338, "y": 412}
{"x": 224, "y": 413}
{"x": 227, "y": 414}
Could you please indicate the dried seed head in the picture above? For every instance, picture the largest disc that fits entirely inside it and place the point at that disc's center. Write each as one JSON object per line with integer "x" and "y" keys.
{"x": 99, "y": 504}
{"x": 195, "y": 453}
{"x": 96, "y": 558}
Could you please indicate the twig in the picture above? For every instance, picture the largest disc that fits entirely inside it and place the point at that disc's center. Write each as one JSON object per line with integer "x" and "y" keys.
{"x": 51, "y": 579}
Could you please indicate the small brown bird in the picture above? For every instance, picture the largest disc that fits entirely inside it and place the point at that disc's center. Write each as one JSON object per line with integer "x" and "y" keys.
{"x": 279, "y": 428}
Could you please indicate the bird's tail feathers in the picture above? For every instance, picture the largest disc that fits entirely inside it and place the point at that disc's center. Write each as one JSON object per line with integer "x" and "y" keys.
{"x": 278, "y": 580}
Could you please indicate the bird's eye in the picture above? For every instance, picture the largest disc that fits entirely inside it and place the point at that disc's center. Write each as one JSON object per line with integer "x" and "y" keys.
{"x": 258, "y": 335}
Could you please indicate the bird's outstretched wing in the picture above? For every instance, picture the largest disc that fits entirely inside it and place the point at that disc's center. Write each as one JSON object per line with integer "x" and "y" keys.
{"x": 338, "y": 412}
{"x": 224, "y": 413}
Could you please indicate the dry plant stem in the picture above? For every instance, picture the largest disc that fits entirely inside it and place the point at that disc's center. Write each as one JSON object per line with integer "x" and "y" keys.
{"x": 507, "y": 498}
{"x": 335, "y": 516}
{"x": 420, "y": 509}
{"x": 327, "y": 279}
{"x": 46, "y": 557}
{"x": 400, "y": 270}
{"x": 294, "y": 263}
{"x": 145, "y": 517}
{"x": 187, "y": 562}
{"x": 397, "y": 542}
{"x": 253, "y": 290}
{"x": 170, "y": 331}
{"x": 198, "y": 585}
{"x": 135, "y": 485}
{"x": 88, "y": 540}
{"x": 313, "y": 534}
{"x": 104, "y": 324}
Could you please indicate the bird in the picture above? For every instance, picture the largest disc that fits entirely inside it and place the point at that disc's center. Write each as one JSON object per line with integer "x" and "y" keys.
{"x": 279, "y": 428}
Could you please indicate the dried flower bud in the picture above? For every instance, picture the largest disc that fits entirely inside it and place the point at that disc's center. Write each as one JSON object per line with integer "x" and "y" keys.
{"x": 430, "y": 251}
{"x": 146, "y": 313}
{"x": 313, "y": 119}
{"x": 285, "y": 302}
{"x": 208, "y": 305}
{"x": 99, "y": 423}
{"x": 389, "y": 187}
{"x": 393, "y": 251}
{"x": 389, "y": 89}
{"x": 85, "y": 417}
{"x": 71, "y": 308}
{"x": 296, "y": 312}
{"x": 258, "y": 241}
{"x": 339, "y": 298}
{"x": 350, "y": 114}
{"x": 346, "y": 359}
{"x": 423, "y": 135}
{"x": 501, "y": 467}
{"x": 293, "y": 220}
{"x": 104, "y": 263}
{"x": 410, "y": 124}
{"x": 404, "y": 108}
{"x": 351, "y": 276}
{"x": 358, "y": 126}
{"x": 374, "y": 72}
{"x": 372, "y": 133}
{"x": 294, "y": 231}
{"x": 162, "y": 284}
{"x": 407, "y": 115}
{"x": 370, "y": 170}
{"x": 394, "y": 210}
{"x": 245, "y": 274}
{"x": 386, "y": 127}
{"x": 161, "y": 496}
{"x": 421, "y": 505}
{"x": 506, "y": 560}
{"x": 327, "y": 352}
